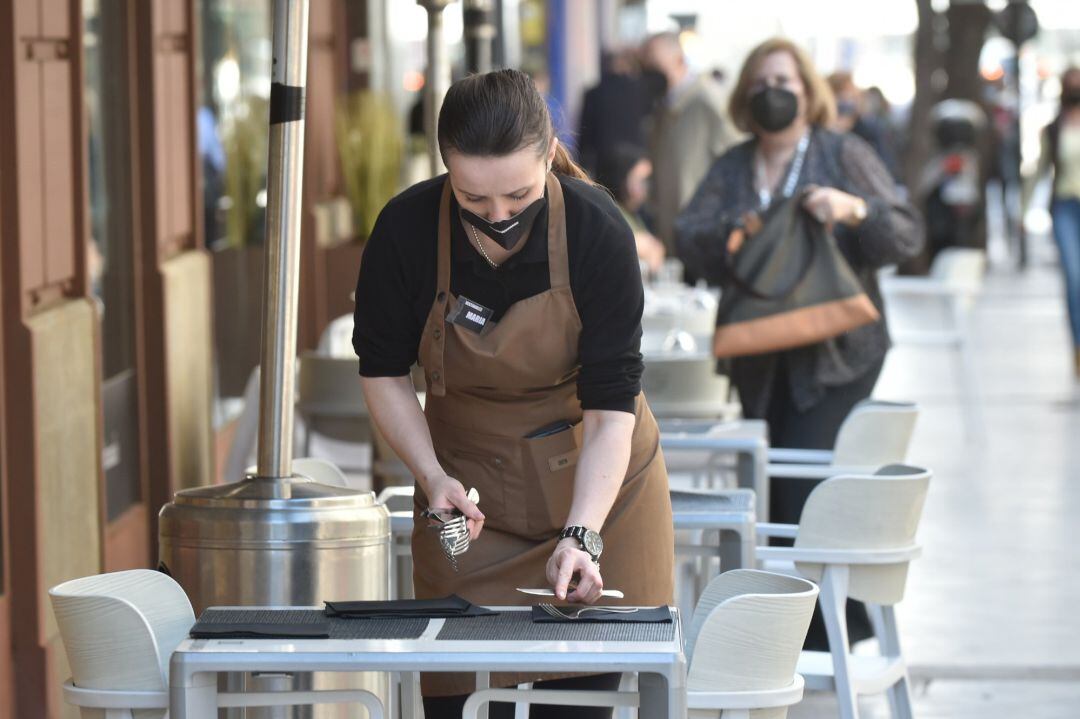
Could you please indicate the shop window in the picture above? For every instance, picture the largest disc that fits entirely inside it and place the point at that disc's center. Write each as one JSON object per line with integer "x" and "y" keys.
{"x": 110, "y": 252}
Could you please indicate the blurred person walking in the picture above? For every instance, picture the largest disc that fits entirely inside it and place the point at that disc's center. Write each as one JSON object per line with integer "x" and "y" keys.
{"x": 803, "y": 393}
{"x": 852, "y": 115}
{"x": 688, "y": 130}
{"x": 624, "y": 171}
{"x": 1061, "y": 156}
{"x": 612, "y": 111}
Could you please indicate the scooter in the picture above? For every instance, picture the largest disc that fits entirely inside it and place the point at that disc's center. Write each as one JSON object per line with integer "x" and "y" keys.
{"x": 950, "y": 189}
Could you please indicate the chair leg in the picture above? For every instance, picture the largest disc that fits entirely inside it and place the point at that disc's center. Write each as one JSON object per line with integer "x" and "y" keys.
{"x": 899, "y": 694}
{"x": 833, "y": 599}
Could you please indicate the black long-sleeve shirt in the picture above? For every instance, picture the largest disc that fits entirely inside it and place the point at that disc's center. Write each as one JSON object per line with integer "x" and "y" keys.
{"x": 396, "y": 286}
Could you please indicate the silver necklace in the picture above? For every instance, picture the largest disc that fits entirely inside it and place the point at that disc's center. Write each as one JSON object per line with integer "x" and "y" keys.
{"x": 480, "y": 246}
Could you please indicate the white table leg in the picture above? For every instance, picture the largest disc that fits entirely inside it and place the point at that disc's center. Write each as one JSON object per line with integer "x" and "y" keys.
{"x": 661, "y": 698}
{"x": 192, "y": 697}
{"x": 410, "y": 695}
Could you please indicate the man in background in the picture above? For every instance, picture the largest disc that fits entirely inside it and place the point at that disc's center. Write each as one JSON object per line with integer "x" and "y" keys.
{"x": 689, "y": 129}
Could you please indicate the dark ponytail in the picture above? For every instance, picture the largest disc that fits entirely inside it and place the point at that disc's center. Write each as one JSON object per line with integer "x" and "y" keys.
{"x": 498, "y": 113}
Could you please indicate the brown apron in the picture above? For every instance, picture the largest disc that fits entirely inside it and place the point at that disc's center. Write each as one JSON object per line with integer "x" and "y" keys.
{"x": 486, "y": 392}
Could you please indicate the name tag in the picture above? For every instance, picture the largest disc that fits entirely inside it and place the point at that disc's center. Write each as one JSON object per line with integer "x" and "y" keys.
{"x": 473, "y": 316}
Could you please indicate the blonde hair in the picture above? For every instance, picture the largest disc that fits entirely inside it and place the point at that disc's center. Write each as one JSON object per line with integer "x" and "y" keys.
{"x": 820, "y": 103}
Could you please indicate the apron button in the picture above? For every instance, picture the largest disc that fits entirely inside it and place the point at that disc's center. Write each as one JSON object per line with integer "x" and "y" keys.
{"x": 498, "y": 461}
{"x": 437, "y": 333}
{"x": 436, "y": 376}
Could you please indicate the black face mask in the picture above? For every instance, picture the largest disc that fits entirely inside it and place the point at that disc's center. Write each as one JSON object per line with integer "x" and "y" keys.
{"x": 509, "y": 231}
{"x": 1070, "y": 98}
{"x": 774, "y": 109}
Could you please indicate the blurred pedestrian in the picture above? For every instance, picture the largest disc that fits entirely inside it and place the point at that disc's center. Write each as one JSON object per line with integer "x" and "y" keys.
{"x": 612, "y": 111}
{"x": 1061, "y": 156}
{"x": 689, "y": 129}
{"x": 625, "y": 170}
{"x": 852, "y": 116}
{"x": 803, "y": 393}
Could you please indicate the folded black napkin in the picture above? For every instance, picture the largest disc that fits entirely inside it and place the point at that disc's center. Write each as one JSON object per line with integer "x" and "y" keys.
{"x": 602, "y": 615}
{"x": 446, "y": 607}
{"x": 260, "y": 630}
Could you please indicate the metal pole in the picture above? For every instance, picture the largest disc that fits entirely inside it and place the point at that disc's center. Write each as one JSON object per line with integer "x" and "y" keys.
{"x": 479, "y": 20}
{"x": 282, "y": 245}
{"x": 438, "y": 78}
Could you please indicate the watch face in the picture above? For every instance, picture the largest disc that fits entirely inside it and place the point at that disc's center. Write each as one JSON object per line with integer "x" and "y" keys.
{"x": 593, "y": 544}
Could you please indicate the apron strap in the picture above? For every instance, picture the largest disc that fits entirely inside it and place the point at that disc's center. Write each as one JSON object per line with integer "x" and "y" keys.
{"x": 558, "y": 261}
{"x": 436, "y": 322}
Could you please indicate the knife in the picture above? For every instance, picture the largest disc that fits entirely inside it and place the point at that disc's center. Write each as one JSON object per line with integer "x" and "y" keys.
{"x": 544, "y": 592}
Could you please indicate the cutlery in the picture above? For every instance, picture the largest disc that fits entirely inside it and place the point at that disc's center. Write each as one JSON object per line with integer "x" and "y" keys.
{"x": 453, "y": 529}
{"x": 571, "y": 614}
{"x": 545, "y": 592}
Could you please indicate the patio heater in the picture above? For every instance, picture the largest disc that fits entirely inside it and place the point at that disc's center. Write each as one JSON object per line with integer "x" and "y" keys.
{"x": 275, "y": 538}
{"x": 436, "y": 80}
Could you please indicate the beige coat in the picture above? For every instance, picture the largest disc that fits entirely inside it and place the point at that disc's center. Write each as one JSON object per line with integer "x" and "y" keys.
{"x": 686, "y": 135}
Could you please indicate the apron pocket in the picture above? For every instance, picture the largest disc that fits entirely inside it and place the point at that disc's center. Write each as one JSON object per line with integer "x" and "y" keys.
{"x": 550, "y": 463}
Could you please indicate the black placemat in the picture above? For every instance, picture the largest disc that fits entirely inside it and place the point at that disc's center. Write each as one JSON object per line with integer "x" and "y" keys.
{"x": 519, "y": 626}
{"x": 451, "y": 606}
{"x": 340, "y": 628}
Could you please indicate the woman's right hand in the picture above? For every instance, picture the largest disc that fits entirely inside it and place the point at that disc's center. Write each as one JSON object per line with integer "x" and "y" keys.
{"x": 443, "y": 491}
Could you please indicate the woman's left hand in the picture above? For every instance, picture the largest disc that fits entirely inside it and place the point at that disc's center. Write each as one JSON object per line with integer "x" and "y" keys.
{"x": 566, "y": 561}
{"x": 831, "y": 206}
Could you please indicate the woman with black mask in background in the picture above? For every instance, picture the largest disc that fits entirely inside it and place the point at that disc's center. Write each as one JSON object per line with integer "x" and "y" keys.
{"x": 803, "y": 393}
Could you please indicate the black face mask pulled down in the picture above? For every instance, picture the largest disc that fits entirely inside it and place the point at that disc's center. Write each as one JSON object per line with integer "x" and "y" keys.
{"x": 1070, "y": 98}
{"x": 509, "y": 231}
{"x": 773, "y": 108}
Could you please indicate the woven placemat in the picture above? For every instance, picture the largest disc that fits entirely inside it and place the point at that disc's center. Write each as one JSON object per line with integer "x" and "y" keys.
{"x": 519, "y": 626}
{"x": 683, "y": 501}
{"x": 340, "y": 628}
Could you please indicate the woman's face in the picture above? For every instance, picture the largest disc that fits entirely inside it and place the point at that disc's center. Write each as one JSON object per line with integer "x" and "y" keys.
{"x": 778, "y": 69}
{"x": 637, "y": 185}
{"x": 497, "y": 188}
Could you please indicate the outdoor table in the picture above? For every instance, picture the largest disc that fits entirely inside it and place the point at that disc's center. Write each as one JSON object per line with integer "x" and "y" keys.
{"x": 509, "y": 641}
{"x": 747, "y": 439}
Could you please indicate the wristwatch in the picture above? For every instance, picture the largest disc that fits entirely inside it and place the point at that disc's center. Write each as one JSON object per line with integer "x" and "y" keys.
{"x": 589, "y": 540}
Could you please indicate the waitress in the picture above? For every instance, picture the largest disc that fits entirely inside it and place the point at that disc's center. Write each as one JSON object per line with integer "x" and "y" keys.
{"x": 514, "y": 281}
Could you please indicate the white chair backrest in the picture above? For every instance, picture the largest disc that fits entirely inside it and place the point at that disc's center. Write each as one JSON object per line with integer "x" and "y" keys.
{"x": 692, "y": 377}
{"x": 330, "y": 383}
{"x": 336, "y": 339}
{"x": 961, "y": 267}
{"x": 320, "y": 470}
{"x": 120, "y": 629}
{"x": 869, "y": 512}
{"x": 747, "y": 631}
{"x": 875, "y": 433}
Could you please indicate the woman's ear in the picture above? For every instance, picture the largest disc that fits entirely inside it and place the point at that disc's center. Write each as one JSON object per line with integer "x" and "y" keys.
{"x": 551, "y": 152}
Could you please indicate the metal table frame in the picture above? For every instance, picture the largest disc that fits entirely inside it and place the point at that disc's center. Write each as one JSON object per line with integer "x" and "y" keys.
{"x": 748, "y": 439}
{"x": 196, "y": 663}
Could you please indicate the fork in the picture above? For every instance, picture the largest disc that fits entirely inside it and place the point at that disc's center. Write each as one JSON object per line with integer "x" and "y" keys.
{"x": 453, "y": 533}
{"x": 558, "y": 613}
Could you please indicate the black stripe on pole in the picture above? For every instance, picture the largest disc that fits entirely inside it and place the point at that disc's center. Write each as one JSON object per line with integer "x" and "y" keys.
{"x": 286, "y": 103}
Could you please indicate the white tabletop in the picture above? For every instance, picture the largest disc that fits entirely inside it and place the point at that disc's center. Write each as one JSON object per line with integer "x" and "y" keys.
{"x": 661, "y": 663}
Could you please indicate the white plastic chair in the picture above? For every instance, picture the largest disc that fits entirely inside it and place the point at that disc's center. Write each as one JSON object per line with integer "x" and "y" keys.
{"x": 119, "y": 631}
{"x": 856, "y": 538}
{"x": 874, "y": 434}
{"x": 686, "y": 385}
{"x": 935, "y": 311}
{"x": 742, "y": 646}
